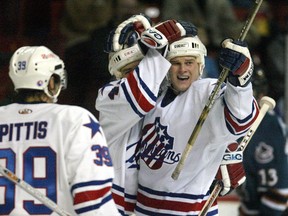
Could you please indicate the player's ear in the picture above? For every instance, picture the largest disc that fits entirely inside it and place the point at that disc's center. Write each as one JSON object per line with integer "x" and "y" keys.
{"x": 54, "y": 84}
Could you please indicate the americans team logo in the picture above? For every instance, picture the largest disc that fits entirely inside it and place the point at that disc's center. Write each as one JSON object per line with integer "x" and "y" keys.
{"x": 157, "y": 146}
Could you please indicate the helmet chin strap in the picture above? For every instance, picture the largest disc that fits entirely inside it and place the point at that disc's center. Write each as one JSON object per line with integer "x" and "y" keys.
{"x": 201, "y": 69}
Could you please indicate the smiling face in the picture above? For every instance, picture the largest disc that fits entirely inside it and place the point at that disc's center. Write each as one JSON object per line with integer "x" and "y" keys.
{"x": 183, "y": 72}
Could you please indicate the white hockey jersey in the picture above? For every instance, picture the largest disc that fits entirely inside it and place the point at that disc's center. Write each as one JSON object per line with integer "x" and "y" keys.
{"x": 166, "y": 131}
{"x": 122, "y": 105}
{"x": 61, "y": 151}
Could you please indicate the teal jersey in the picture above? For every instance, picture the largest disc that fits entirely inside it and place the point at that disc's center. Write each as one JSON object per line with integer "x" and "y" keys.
{"x": 266, "y": 165}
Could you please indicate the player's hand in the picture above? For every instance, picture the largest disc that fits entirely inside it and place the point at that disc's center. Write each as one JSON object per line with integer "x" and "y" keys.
{"x": 235, "y": 56}
{"x": 165, "y": 33}
{"x": 118, "y": 37}
{"x": 231, "y": 171}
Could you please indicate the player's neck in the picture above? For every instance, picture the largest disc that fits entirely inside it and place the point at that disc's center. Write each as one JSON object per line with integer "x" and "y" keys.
{"x": 40, "y": 99}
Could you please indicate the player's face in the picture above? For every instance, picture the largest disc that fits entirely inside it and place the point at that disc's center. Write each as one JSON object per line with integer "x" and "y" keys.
{"x": 128, "y": 68}
{"x": 183, "y": 72}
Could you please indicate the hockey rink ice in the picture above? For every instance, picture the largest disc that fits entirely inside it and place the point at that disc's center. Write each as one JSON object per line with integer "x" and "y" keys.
{"x": 228, "y": 205}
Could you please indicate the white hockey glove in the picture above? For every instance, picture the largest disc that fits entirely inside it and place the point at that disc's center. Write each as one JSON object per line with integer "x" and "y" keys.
{"x": 165, "y": 33}
{"x": 117, "y": 37}
{"x": 235, "y": 56}
{"x": 231, "y": 171}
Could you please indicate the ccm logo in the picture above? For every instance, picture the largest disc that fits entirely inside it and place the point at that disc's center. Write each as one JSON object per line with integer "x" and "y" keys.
{"x": 234, "y": 156}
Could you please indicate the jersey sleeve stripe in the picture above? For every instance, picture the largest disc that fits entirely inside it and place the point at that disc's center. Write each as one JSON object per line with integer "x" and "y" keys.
{"x": 144, "y": 87}
{"x": 120, "y": 200}
{"x": 93, "y": 206}
{"x": 139, "y": 92}
{"x": 274, "y": 202}
{"x": 90, "y": 195}
{"x": 123, "y": 200}
{"x": 239, "y": 126}
{"x": 133, "y": 105}
{"x": 91, "y": 183}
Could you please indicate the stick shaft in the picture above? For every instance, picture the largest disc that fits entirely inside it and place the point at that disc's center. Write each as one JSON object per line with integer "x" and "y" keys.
{"x": 250, "y": 20}
{"x": 211, "y": 100}
{"x": 213, "y": 196}
{"x": 251, "y": 131}
{"x": 32, "y": 191}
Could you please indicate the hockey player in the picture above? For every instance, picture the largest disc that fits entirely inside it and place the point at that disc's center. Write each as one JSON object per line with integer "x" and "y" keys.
{"x": 168, "y": 126}
{"x": 58, "y": 149}
{"x": 265, "y": 191}
{"x": 195, "y": 50}
{"x": 123, "y": 103}
{"x": 122, "y": 61}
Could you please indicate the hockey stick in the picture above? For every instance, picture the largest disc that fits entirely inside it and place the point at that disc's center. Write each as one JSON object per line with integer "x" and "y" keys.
{"x": 212, "y": 98}
{"x": 213, "y": 196}
{"x": 32, "y": 191}
{"x": 266, "y": 104}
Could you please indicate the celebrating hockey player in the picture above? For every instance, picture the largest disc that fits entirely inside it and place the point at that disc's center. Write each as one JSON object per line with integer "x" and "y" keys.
{"x": 124, "y": 102}
{"x": 167, "y": 128}
{"x": 167, "y": 125}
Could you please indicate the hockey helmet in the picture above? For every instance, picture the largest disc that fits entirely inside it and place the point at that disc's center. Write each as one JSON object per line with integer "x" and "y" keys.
{"x": 32, "y": 66}
{"x": 188, "y": 46}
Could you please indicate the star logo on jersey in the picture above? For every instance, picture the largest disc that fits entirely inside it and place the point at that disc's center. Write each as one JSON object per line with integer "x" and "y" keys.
{"x": 93, "y": 125}
{"x": 157, "y": 146}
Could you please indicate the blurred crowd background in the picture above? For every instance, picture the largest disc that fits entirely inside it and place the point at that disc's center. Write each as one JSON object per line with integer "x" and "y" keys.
{"x": 76, "y": 30}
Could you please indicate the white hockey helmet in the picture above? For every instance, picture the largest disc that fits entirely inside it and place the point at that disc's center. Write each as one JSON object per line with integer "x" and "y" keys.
{"x": 32, "y": 66}
{"x": 188, "y": 46}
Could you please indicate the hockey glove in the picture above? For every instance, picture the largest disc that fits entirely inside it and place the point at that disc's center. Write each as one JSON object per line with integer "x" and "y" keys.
{"x": 231, "y": 171}
{"x": 165, "y": 33}
{"x": 118, "y": 37}
{"x": 235, "y": 56}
